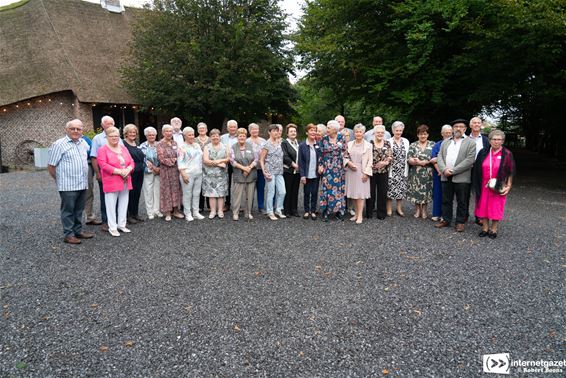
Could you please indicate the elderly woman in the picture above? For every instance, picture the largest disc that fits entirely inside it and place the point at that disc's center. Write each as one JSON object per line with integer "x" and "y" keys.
{"x": 151, "y": 173}
{"x": 382, "y": 156}
{"x": 333, "y": 151}
{"x": 399, "y": 169}
{"x": 320, "y": 131}
{"x": 244, "y": 162}
{"x": 189, "y": 162}
{"x": 420, "y": 175}
{"x": 257, "y": 143}
{"x": 446, "y": 133}
{"x": 271, "y": 161}
{"x": 493, "y": 177}
{"x": 309, "y": 158}
{"x": 130, "y": 136}
{"x": 170, "y": 188}
{"x": 291, "y": 174}
{"x": 116, "y": 166}
{"x": 215, "y": 180}
{"x": 202, "y": 139}
{"x": 359, "y": 170}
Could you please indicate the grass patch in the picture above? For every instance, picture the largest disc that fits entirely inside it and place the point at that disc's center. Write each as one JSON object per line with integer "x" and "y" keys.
{"x": 13, "y": 5}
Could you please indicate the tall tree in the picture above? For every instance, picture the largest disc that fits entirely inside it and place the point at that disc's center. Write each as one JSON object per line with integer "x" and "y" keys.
{"x": 212, "y": 59}
{"x": 433, "y": 60}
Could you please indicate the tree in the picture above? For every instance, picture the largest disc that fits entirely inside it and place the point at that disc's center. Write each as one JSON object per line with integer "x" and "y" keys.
{"x": 211, "y": 59}
{"x": 435, "y": 60}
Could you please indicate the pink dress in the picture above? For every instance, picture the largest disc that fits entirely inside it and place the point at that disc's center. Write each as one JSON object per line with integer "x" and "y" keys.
{"x": 491, "y": 204}
{"x": 355, "y": 187}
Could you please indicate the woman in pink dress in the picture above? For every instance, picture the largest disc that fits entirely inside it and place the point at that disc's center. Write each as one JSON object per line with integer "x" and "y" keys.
{"x": 359, "y": 169}
{"x": 493, "y": 177}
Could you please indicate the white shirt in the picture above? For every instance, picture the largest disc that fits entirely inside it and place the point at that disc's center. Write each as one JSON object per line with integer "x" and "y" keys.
{"x": 479, "y": 142}
{"x": 178, "y": 137}
{"x": 228, "y": 140}
{"x": 452, "y": 152}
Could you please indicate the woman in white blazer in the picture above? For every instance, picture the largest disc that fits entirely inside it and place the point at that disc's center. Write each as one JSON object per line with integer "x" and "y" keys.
{"x": 399, "y": 169}
{"x": 359, "y": 169}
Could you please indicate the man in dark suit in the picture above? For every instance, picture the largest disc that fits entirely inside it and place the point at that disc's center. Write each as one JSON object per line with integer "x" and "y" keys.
{"x": 455, "y": 161}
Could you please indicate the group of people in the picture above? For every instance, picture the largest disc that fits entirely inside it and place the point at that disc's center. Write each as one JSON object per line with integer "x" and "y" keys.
{"x": 343, "y": 171}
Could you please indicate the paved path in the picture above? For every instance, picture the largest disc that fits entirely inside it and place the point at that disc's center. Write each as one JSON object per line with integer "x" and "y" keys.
{"x": 285, "y": 298}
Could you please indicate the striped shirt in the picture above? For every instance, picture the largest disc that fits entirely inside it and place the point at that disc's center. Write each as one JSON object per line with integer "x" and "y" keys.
{"x": 70, "y": 161}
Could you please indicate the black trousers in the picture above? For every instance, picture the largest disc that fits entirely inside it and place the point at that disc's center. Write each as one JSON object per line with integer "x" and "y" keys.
{"x": 462, "y": 193}
{"x": 102, "y": 203}
{"x": 292, "y": 182}
{"x": 378, "y": 191}
{"x": 134, "y": 195}
{"x": 227, "y": 199}
{"x": 310, "y": 197}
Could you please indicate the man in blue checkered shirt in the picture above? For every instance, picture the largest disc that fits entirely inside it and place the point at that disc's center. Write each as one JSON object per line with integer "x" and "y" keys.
{"x": 68, "y": 166}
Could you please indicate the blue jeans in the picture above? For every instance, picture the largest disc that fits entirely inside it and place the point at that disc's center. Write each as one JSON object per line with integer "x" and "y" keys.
{"x": 260, "y": 186}
{"x": 276, "y": 184}
{"x": 72, "y": 207}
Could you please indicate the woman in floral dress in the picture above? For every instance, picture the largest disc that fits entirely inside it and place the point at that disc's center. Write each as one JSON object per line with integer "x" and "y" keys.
{"x": 397, "y": 184}
{"x": 333, "y": 150}
{"x": 170, "y": 187}
{"x": 215, "y": 178}
{"x": 420, "y": 174}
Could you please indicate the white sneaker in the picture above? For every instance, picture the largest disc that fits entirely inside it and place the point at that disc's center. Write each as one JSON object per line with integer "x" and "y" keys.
{"x": 235, "y": 217}
{"x": 352, "y": 212}
{"x": 159, "y": 215}
{"x": 272, "y": 216}
{"x": 197, "y": 215}
{"x": 124, "y": 229}
{"x": 151, "y": 216}
{"x": 211, "y": 215}
{"x": 250, "y": 217}
{"x": 114, "y": 232}
{"x": 280, "y": 214}
{"x": 168, "y": 218}
{"x": 189, "y": 217}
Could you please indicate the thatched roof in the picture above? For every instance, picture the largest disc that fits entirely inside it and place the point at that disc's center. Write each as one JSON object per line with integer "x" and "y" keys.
{"x": 49, "y": 46}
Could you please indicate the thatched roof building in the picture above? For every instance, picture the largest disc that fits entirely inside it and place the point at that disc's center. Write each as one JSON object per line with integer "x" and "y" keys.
{"x": 50, "y": 46}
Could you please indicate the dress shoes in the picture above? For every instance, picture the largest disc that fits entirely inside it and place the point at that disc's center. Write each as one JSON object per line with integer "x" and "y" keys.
{"x": 85, "y": 235}
{"x": 138, "y": 218}
{"x": 72, "y": 240}
{"x": 442, "y": 224}
{"x": 104, "y": 227}
{"x": 132, "y": 220}
{"x": 459, "y": 227}
{"x": 483, "y": 234}
{"x": 94, "y": 222}
{"x": 492, "y": 235}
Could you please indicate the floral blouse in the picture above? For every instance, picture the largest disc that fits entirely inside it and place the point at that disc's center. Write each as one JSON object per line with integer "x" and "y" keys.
{"x": 381, "y": 154}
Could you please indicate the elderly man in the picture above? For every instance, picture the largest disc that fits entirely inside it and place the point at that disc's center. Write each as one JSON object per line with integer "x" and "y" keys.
{"x": 455, "y": 161}
{"x": 229, "y": 139}
{"x": 342, "y": 122}
{"x": 480, "y": 140}
{"x": 177, "y": 133}
{"x": 69, "y": 168}
{"x": 98, "y": 141}
{"x": 377, "y": 121}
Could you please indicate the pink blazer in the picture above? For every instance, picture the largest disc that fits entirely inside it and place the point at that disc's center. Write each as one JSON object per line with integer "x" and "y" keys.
{"x": 108, "y": 161}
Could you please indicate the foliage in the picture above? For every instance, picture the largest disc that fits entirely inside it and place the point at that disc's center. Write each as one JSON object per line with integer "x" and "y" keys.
{"x": 212, "y": 59}
{"x": 435, "y": 60}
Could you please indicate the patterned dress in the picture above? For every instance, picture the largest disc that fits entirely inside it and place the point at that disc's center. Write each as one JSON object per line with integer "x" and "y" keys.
{"x": 215, "y": 179}
{"x": 420, "y": 178}
{"x": 397, "y": 181}
{"x": 169, "y": 185}
{"x": 333, "y": 183}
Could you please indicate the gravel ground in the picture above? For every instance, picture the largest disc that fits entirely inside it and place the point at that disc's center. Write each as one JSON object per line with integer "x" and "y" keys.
{"x": 287, "y": 298}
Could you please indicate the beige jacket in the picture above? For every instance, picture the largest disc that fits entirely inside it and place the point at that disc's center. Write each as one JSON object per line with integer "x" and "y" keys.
{"x": 367, "y": 157}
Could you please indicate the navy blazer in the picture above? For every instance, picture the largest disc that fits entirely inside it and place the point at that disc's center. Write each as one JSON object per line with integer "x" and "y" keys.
{"x": 305, "y": 157}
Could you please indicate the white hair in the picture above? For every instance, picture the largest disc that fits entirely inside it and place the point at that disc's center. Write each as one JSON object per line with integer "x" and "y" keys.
{"x": 166, "y": 127}
{"x": 360, "y": 126}
{"x": 445, "y": 127}
{"x": 379, "y": 127}
{"x": 397, "y": 125}
{"x": 231, "y": 122}
{"x": 333, "y": 124}
{"x": 253, "y": 126}
{"x": 74, "y": 121}
{"x": 106, "y": 118}
{"x": 149, "y": 130}
{"x": 202, "y": 124}
{"x": 176, "y": 121}
{"x": 188, "y": 130}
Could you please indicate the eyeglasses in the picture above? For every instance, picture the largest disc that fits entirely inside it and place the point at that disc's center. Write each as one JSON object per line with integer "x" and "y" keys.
{"x": 76, "y": 128}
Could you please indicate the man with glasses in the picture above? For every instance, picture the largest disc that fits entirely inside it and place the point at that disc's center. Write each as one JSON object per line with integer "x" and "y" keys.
{"x": 455, "y": 161}
{"x": 69, "y": 168}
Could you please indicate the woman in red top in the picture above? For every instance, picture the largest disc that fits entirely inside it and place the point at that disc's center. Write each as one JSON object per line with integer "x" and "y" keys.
{"x": 116, "y": 166}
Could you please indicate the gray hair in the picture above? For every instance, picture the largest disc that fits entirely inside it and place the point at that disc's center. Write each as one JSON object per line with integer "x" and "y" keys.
{"x": 376, "y": 127}
{"x": 360, "y": 126}
{"x": 445, "y": 127}
{"x": 497, "y": 132}
{"x": 187, "y": 130}
{"x": 397, "y": 125}
{"x": 176, "y": 121}
{"x": 106, "y": 118}
{"x": 231, "y": 122}
{"x": 202, "y": 124}
{"x": 149, "y": 130}
{"x": 166, "y": 127}
{"x": 74, "y": 121}
{"x": 253, "y": 126}
{"x": 333, "y": 124}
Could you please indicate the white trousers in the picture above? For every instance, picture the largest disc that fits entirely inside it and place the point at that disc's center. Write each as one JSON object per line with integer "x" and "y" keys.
{"x": 151, "y": 193}
{"x": 110, "y": 200}
{"x": 191, "y": 193}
